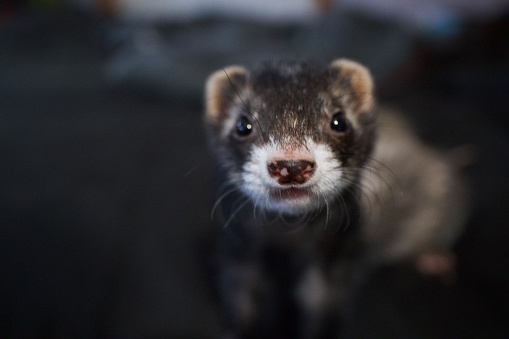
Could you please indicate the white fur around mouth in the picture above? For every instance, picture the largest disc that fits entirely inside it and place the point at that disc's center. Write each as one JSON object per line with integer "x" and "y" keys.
{"x": 291, "y": 193}
{"x": 291, "y": 200}
{"x": 323, "y": 186}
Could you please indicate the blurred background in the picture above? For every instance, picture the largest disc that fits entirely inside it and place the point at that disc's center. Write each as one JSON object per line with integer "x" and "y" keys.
{"x": 106, "y": 183}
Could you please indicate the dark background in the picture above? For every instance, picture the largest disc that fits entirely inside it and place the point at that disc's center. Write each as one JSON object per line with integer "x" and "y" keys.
{"x": 106, "y": 183}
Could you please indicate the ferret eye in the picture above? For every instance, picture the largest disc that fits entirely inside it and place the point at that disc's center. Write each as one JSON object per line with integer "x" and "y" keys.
{"x": 338, "y": 123}
{"x": 244, "y": 126}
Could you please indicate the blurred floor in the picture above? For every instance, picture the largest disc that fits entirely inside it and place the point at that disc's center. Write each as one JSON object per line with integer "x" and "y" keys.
{"x": 105, "y": 192}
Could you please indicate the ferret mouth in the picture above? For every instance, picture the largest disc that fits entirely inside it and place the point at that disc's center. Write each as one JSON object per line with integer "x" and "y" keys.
{"x": 290, "y": 193}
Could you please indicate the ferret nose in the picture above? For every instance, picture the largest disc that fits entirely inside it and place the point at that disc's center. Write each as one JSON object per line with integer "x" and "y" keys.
{"x": 288, "y": 172}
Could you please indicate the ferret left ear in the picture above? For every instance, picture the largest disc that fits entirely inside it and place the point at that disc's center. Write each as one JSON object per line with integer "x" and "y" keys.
{"x": 359, "y": 83}
{"x": 221, "y": 90}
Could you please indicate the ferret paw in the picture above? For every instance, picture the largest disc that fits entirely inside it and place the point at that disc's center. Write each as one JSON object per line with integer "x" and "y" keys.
{"x": 441, "y": 265}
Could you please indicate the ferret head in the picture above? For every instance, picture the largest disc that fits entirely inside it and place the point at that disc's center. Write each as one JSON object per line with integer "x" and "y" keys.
{"x": 291, "y": 136}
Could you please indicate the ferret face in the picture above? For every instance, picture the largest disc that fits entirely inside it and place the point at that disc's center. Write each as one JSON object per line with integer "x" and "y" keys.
{"x": 291, "y": 136}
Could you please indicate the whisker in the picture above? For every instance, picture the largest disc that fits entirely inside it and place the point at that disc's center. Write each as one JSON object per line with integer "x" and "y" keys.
{"x": 327, "y": 212}
{"x": 221, "y": 198}
{"x": 343, "y": 212}
{"x": 237, "y": 210}
{"x": 381, "y": 170}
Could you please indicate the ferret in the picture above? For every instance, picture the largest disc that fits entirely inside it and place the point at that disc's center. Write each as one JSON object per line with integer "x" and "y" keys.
{"x": 316, "y": 182}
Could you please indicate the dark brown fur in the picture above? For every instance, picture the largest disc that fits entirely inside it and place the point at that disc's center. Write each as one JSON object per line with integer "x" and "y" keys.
{"x": 271, "y": 261}
{"x": 287, "y": 270}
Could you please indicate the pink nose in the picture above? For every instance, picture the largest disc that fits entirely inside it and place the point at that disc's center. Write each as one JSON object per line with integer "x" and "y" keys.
{"x": 291, "y": 172}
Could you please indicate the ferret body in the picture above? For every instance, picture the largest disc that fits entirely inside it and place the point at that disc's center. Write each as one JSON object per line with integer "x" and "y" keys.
{"x": 305, "y": 198}
{"x": 414, "y": 200}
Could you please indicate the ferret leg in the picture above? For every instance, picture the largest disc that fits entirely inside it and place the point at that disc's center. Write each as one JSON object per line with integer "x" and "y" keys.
{"x": 316, "y": 299}
{"x": 239, "y": 288}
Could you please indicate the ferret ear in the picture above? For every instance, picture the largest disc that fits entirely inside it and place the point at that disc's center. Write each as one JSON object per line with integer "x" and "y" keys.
{"x": 221, "y": 90}
{"x": 354, "y": 79}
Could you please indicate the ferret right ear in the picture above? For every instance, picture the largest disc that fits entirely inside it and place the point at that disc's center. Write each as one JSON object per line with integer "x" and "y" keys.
{"x": 221, "y": 90}
{"x": 356, "y": 80}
